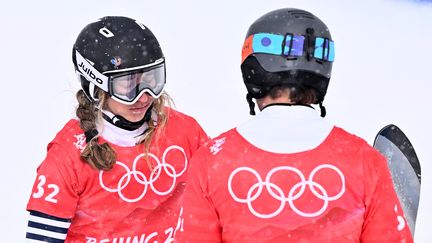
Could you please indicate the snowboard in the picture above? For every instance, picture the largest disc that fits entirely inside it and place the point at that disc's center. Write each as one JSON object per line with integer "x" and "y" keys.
{"x": 404, "y": 167}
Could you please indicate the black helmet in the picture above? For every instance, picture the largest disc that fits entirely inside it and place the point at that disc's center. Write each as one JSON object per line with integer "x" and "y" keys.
{"x": 121, "y": 57}
{"x": 287, "y": 46}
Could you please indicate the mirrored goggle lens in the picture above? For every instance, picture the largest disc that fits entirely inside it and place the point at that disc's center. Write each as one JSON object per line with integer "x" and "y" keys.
{"x": 289, "y": 46}
{"x": 128, "y": 87}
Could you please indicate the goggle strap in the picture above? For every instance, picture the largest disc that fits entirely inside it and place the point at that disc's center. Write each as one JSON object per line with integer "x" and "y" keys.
{"x": 308, "y": 45}
{"x": 92, "y": 92}
{"x": 247, "y": 48}
{"x": 326, "y": 49}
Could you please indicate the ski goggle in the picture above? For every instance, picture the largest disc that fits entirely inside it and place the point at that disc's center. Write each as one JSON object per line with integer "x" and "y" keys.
{"x": 288, "y": 45}
{"x": 128, "y": 87}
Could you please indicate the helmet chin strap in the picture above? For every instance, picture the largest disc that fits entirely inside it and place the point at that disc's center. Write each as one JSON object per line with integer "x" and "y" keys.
{"x": 122, "y": 123}
{"x": 323, "y": 109}
{"x": 251, "y": 104}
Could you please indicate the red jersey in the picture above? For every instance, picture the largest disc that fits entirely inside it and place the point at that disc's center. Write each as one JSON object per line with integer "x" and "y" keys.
{"x": 340, "y": 191}
{"x": 136, "y": 201}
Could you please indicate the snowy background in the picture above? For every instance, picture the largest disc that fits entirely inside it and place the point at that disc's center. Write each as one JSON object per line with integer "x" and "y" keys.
{"x": 381, "y": 75}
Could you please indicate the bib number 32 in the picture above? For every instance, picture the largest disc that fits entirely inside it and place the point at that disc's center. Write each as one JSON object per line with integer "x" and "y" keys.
{"x": 49, "y": 190}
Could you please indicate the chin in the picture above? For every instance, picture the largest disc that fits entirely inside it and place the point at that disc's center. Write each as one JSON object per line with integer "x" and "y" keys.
{"x": 135, "y": 118}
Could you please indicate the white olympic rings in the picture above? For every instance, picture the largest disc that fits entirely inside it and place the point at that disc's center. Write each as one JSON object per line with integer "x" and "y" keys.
{"x": 141, "y": 178}
{"x": 294, "y": 193}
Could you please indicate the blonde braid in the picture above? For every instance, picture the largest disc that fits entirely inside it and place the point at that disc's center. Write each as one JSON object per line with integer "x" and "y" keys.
{"x": 99, "y": 156}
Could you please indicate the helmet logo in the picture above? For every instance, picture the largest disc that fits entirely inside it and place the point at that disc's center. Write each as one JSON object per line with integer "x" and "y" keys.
{"x": 106, "y": 32}
{"x": 116, "y": 61}
{"x": 89, "y": 73}
{"x": 266, "y": 41}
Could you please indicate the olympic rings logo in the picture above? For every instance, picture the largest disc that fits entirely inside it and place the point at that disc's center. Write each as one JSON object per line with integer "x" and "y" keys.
{"x": 139, "y": 176}
{"x": 294, "y": 193}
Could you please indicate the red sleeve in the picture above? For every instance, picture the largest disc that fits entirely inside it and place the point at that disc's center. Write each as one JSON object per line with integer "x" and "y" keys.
{"x": 187, "y": 128}
{"x": 55, "y": 191}
{"x": 384, "y": 219}
{"x": 200, "y": 219}
{"x": 202, "y": 136}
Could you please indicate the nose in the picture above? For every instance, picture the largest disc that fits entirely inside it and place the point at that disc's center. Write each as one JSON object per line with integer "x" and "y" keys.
{"x": 145, "y": 98}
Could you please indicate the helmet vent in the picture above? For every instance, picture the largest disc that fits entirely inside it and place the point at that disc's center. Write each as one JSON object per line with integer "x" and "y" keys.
{"x": 301, "y": 14}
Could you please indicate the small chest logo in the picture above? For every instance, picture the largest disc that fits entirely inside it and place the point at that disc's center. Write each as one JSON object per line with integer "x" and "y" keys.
{"x": 80, "y": 141}
{"x": 217, "y": 146}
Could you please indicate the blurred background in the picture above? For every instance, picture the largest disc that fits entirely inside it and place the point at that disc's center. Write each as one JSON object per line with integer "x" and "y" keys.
{"x": 381, "y": 75}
